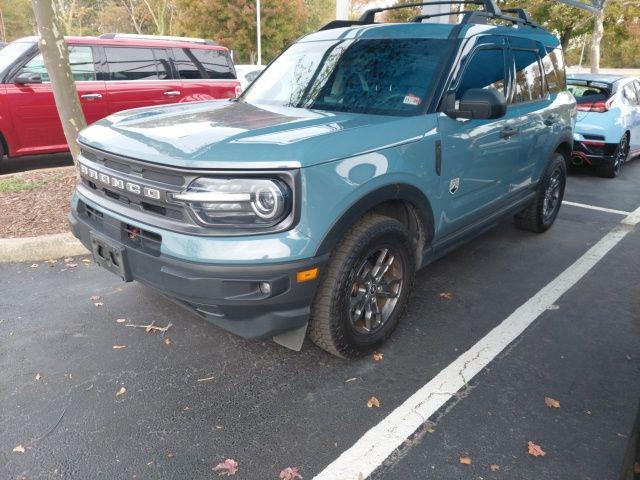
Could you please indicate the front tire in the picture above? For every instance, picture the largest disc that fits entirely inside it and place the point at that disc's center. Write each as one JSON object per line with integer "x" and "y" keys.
{"x": 365, "y": 288}
{"x": 543, "y": 210}
{"x": 613, "y": 169}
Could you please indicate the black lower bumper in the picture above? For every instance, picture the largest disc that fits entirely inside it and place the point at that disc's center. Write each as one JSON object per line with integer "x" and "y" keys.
{"x": 594, "y": 153}
{"x": 253, "y": 301}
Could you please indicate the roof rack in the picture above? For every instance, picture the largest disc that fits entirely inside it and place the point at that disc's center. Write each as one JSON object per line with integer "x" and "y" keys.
{"x": 490, "y": 11}
{"x": 166, "y": 38}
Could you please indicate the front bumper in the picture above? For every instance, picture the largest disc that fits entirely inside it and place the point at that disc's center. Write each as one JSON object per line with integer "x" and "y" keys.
{"x": 594, "y": 152}
{"x": 228, "y": 296}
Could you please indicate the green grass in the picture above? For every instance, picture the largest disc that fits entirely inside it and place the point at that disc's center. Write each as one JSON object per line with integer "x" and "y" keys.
{"x": 17, "y": 184}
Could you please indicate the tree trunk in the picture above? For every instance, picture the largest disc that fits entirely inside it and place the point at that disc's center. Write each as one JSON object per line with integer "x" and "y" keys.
{"x": 596, "y": 38}
{"x": 56, "y": 60}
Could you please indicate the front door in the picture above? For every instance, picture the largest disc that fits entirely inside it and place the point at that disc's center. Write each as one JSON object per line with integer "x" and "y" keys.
{"x": 477, "y": 155}
{"x": 33, "y": 108}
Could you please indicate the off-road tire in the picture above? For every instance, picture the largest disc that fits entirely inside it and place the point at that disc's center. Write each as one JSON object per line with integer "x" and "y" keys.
{"x": 613, "y": 169}
{"x": 532, "y": 218}
{"x": 330, "y": 325}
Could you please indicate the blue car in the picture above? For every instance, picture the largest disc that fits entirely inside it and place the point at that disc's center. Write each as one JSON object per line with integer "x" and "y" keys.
{"x": 607, "y": 130}
{"x": 361, "y": 154}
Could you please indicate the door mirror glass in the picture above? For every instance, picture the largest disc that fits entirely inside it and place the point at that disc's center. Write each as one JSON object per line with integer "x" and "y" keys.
{"x": 479, "y": 103}
{"x": 27, "y": 77}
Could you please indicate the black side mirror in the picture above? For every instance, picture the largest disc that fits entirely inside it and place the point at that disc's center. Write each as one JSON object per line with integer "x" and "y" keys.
{"x": 27, "y": 77}
{"x": 479, "y": 103}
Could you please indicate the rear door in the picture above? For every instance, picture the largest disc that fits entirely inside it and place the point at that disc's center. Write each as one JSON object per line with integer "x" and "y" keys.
{"x": 634, "y": 87}
{"x": 205, "y": 73}
{"x": 537, "y": 116}
{"x": 33, "y": 109}
{"x": 139, "y": 77}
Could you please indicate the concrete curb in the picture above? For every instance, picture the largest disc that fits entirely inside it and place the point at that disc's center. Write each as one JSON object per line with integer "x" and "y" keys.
{"x": 45, "y": 247}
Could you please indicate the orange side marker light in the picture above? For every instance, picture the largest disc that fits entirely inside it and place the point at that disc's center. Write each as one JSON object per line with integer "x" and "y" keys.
{"x": 307, "y": 275}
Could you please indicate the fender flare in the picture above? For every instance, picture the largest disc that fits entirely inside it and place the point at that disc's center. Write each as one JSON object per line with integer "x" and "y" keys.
{"x": 396, "y": 191}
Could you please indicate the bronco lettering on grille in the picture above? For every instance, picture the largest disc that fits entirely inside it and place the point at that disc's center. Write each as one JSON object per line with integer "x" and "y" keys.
{"x": 119, "y": 183}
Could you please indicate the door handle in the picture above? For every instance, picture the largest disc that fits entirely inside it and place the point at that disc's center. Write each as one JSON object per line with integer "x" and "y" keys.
{"x": 91, "y": 96}
{"x": 172, "y": 93}
{"x": 508, "y": 132}
{"x": 551, "y": 119}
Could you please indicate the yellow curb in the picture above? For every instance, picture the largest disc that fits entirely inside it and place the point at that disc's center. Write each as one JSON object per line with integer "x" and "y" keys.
{"x": 45, "y": 247}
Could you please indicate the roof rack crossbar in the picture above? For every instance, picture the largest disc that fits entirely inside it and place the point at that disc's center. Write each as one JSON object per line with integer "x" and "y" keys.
{"x": 490, "y": 6}
{"x": 419, "y": 18}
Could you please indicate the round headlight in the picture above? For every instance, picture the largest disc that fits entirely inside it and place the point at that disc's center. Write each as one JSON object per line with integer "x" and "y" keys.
{"x": 268, "y": 201}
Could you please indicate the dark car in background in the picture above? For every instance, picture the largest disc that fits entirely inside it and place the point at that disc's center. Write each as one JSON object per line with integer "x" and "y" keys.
{"x": 113, "y": 72}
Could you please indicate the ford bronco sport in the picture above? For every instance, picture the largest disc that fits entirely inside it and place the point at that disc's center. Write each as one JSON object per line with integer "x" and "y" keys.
{"x": 361, "y": 154}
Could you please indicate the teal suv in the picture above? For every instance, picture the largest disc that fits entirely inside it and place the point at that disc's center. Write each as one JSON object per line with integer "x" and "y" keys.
{"x": 362, "y": 153}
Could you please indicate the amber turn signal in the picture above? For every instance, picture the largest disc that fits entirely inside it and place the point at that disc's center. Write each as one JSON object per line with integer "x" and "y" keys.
{"x": 307, "y": 275}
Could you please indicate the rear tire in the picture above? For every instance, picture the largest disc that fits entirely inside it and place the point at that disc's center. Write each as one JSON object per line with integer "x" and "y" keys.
{"x": 613, "y": 169}
{"x": 543, "y": 210}
{"x": 365, "y": 289}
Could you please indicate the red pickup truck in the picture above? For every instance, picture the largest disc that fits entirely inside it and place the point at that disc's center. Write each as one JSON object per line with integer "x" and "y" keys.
{"x": 113, "y": 72}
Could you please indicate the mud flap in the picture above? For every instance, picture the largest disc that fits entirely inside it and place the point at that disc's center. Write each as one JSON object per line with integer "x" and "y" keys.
{"x": 293, "y": 339}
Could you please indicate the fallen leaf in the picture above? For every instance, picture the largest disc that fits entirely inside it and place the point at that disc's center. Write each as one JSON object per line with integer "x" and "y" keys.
{"x": 121, "y": 391}
{"x": 377, "y": 356}
{"x": 121, "y": 320}
{"x": 38, "y": 376}
{"x": 206, "y": 379}
{"x": 446, "y": 296}
{"x": 99, "y": 304}
{"x": 494, "y": 467}
{"x": 51, "y": 262}
{"x": 465, "y": 460}
{"x": 167, "y": 341}
{"x": 118, "y": 347}
{"x": 290, "y": 473}
{"x": 551, "y": 402}
{"x": 350, "y": 380}
{"x": 373, "y": 402}
{"x": 35, "y": 265}
{"x": 431, "y": 430}
{"x": 94, "y": 298}
{"x": 86, "y": 261}
{"x": 187, "y": 408}
{"x": 228, "y": 467}
{"x": 68, "y": 259}
{"x": 219, "y": 427}
{"x": 171, "y": 455}
{"x": 535, "y": 450}
{"x": 71, "y": 265}
{"x": 588, "y": 412}
{"x": 18, "y": 449}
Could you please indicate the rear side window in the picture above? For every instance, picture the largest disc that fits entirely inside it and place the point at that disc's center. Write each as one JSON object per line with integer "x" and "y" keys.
{"x": 484, "y": 70}
{"x": 528, "y": 76}
{"x": 80, "y": 59}
{"x": 193, "y": 63}
{"x": 187, "y": 64}
{"x": 136, "y": 64}
{"x": 214, "y": 63}
{"x": 554, "y": 71}
{"x": 629, "y": 93}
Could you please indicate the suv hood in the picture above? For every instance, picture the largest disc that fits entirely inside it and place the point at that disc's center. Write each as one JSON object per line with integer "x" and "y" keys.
{"x": 238, "y": 135}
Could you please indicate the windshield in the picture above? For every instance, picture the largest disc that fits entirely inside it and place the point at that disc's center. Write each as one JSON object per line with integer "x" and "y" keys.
{"x": 377, "y": 76}
{"x": 10, "y": 53}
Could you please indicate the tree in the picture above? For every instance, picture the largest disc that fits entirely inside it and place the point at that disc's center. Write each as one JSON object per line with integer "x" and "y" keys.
{"x": 233, "y": 24}
{"x": 16, "y": 19}
{"x": 56, "y": 59}
{"x": 596, "y": 38}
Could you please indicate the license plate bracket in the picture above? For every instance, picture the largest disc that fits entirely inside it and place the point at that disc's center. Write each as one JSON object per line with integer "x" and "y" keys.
{"x": 111, "y": 256}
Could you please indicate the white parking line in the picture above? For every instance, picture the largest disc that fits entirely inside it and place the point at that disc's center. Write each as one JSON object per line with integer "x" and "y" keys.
{"x": 373, "y": 448}
{"x": 593, "y": 207}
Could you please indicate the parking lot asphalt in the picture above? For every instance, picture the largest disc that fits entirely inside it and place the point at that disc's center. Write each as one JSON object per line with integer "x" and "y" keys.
{"x": 198, "y": 395}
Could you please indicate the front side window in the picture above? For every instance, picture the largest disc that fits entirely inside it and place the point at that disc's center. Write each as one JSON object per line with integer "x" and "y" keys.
{"x": 528, "y": 76}
{"x": 10, "y": 54}
{"x": 375, "y": 76}
{"x": 127, "y": 63}
{"x": 80, "y": 59}
{"x": 484, "y": 70}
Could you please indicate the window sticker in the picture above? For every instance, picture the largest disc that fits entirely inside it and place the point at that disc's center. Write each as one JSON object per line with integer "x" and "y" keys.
{"x": 411, "y": 99}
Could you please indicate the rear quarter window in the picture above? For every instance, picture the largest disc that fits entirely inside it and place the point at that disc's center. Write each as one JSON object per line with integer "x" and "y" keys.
{"x": 196, "y": 63}
{"x": 554, "y": 72}
{"x": 528, "y": 76}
